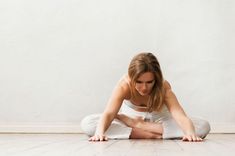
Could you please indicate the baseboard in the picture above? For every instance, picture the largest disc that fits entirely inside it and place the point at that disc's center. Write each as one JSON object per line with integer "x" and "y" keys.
{"x": 41, "y": 128}
{"x": 75, "y": 128}
{"x": 222, "y": 127}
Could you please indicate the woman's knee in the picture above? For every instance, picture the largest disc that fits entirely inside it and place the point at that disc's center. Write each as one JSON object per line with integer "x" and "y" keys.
{"x": 203, "y": 128}
{"x": 89, "y": 123}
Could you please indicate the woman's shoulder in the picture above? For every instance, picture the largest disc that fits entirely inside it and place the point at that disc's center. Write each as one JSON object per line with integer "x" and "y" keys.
{"x": 167, "y": 89}
{"x": 124, "y": 84}
{"x": 166, "y": 84}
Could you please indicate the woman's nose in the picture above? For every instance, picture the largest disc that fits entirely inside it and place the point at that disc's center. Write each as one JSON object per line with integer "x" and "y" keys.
{"x": 144, "y": 86}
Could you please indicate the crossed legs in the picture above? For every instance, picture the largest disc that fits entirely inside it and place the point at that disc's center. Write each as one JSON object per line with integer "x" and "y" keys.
{"x": 142, "y": 129}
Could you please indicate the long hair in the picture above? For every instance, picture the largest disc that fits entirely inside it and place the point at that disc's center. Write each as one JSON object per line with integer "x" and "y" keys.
{"x": 147, "y": 62}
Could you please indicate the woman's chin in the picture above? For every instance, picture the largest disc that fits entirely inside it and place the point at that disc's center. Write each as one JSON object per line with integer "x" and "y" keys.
{"x": 144, "y": 94}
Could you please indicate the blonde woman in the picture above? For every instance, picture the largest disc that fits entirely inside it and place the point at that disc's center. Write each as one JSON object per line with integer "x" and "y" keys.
{"x": 143, "y": 106}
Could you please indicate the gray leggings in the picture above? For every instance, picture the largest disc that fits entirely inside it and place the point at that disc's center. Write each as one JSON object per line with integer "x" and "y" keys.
{"x": 118, "y": 130}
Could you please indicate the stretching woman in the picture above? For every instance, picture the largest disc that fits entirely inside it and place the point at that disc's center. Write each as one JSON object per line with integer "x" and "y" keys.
{"x": 144, "y": 106}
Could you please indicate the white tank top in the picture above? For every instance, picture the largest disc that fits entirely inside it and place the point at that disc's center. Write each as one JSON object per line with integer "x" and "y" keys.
{"x": 128, "y": 109}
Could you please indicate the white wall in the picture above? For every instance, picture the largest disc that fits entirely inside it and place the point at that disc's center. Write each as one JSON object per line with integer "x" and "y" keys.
{"x": 59, "y": 60}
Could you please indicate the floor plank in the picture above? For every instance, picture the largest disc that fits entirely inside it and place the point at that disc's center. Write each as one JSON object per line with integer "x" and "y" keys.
{"x": 78, "y": 144}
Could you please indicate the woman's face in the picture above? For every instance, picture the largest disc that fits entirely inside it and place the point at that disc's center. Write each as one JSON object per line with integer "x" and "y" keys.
{"x": 145, "y": 83}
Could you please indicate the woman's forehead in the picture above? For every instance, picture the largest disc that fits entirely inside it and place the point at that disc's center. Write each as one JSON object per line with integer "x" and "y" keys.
{"x": 147, "y": 76}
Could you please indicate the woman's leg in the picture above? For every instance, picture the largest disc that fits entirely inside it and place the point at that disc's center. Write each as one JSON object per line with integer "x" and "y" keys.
{"x": 168, "y": 127}
{"x": 116, "y": 130}
{"x": 89, "y": 124}
{"x": 138, "y": 133}
{"x": 173, "y": 131}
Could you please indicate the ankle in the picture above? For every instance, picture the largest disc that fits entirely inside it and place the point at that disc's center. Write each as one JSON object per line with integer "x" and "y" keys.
{"x": 138, "y": 124}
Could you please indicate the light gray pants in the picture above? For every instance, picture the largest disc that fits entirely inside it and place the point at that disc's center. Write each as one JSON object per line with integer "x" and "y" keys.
{"x": 118, "y": 130}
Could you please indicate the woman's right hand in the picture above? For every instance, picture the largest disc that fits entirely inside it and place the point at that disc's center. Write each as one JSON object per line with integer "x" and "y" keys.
{"x": 98, "y": 137}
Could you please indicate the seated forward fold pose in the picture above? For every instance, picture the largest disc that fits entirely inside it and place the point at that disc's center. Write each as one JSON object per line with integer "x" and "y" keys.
{"x": 143, "y": 106}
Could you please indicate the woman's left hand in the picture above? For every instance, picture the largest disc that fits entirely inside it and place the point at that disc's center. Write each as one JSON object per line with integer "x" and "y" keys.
{"x": 192, "y": 138}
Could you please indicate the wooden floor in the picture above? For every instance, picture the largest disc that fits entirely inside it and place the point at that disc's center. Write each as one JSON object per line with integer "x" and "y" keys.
{"x": 77, "y": 145}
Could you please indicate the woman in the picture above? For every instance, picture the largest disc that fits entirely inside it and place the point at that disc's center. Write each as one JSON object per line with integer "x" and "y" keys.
{"x": 143, "y": 106}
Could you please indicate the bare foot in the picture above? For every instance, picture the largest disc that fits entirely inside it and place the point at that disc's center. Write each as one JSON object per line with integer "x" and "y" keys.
{"x": 137, "y": 133}
{"x": 141, "y": 124}
{"x": 130, "y": 122}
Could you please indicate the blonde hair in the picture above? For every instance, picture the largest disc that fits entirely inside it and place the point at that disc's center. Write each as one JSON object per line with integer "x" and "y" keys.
{"x": 147, "y": 62}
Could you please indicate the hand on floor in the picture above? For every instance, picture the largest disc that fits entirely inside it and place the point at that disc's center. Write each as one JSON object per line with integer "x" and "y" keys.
{"x": 98, "y": 137}
{"x": 192, "y": 138}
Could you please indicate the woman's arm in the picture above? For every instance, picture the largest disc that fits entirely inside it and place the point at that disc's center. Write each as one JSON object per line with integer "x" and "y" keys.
{"x": 179, "y": 115}
{"x": 111, "y": 110}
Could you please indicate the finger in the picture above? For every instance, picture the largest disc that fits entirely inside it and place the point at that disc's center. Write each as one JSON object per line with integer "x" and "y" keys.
{"x": 188, "y": 138}
{"x": 185, "y": 138}
{"x": 103, "y": 138}
{"x": 194, "y": 138}
{"x": 199, "y": 139}
{"x": 106, "y": 138}
{"x": 92, "y": 138}
{"x": 97, "y": 138}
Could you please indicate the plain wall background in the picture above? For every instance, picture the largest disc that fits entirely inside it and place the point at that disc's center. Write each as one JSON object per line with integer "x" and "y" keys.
{"x": 59, "y": 60}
